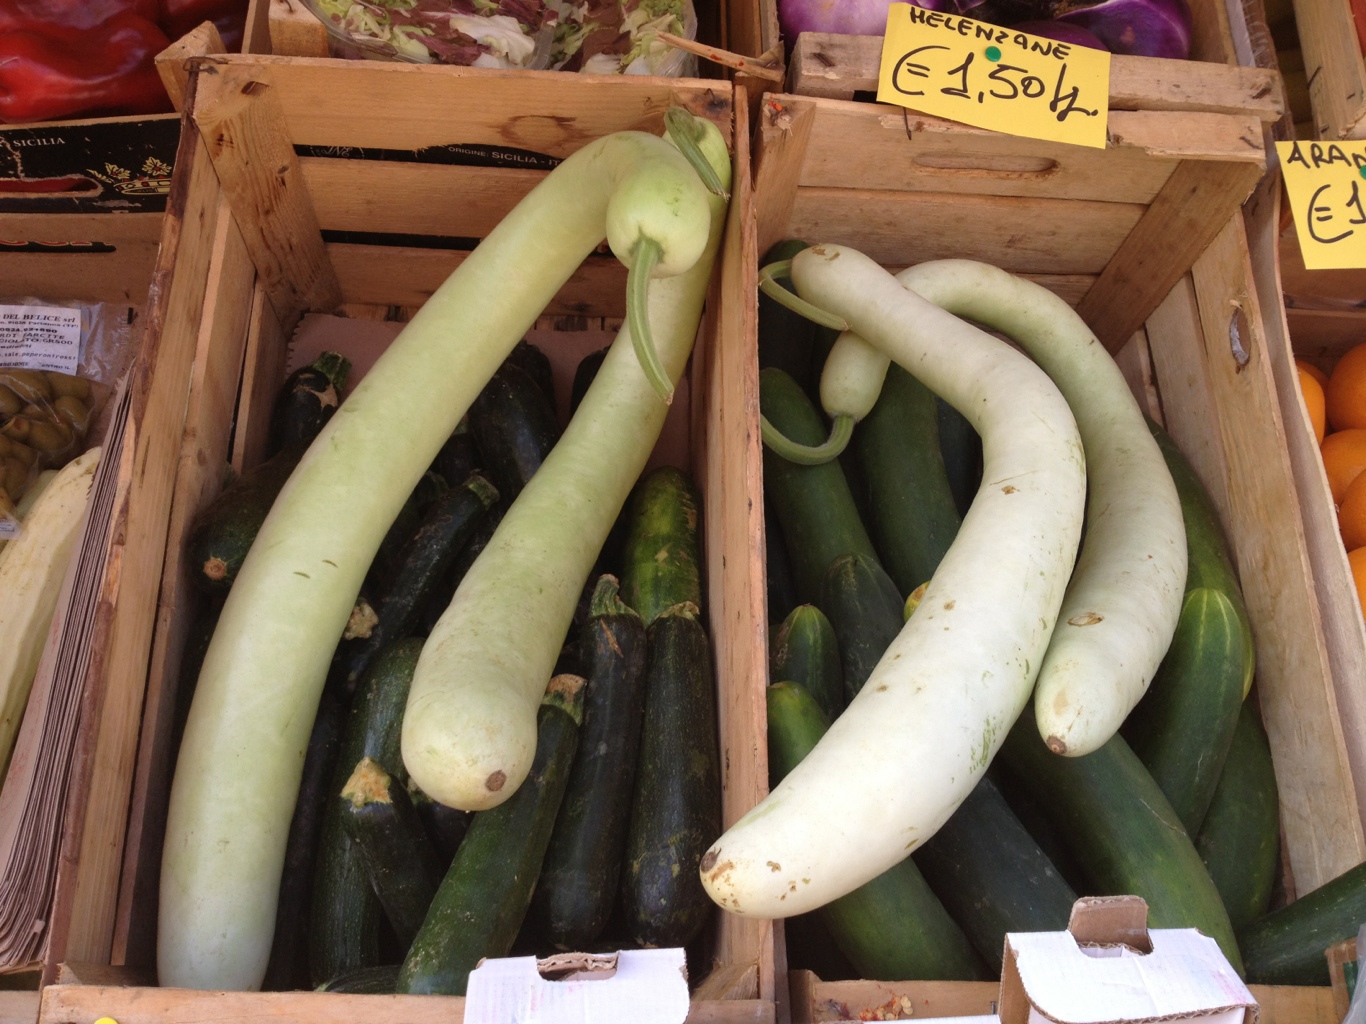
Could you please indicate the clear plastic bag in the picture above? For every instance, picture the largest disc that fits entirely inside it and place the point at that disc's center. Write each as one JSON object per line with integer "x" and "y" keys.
{"x": 59, "y": 360}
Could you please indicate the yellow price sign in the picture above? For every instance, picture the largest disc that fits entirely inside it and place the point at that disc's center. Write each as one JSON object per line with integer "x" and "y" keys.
{"x": 993, "y": 77}
{"x": 1327, "y": 186}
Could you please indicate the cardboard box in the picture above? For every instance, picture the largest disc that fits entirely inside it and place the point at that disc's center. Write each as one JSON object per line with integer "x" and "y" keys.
{"x": 269, "y": 264}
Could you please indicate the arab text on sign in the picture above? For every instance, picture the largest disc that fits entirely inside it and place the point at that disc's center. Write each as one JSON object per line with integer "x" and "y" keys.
{"x": 994, "y": 77}
{"x": 1327, "y": 190}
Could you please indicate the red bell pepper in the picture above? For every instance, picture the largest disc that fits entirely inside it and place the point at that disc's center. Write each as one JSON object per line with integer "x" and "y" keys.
{"x": 51, "y": 70}
{"x": 16, "y": 15}
{"x": 230, "y": 16}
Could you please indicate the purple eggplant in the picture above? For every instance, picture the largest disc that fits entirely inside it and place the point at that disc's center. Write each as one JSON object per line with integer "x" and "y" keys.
{"x": 1062, "y": 31}
{"x": 1140, "y": 28}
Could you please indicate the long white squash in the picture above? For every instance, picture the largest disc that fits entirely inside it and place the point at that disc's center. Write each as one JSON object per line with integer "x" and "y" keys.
{"x": 923, "y": 729}
{"x": 238, "y": 771}
{"x": 31, "y": 570}
{"x": 469, "y": 731}
{"x": 1125, "y": 595}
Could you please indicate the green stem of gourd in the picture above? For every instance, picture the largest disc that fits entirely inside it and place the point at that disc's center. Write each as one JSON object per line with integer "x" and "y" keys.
{"x": 841, "y": 430}
{"x": 768, "y": 284}
{"x": 643, "y": 260}
{"x": 686, "y": 132}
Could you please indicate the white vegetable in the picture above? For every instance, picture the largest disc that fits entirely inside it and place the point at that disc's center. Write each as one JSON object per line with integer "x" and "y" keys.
{"x": 923, "y": 729}
{"x": 1125, "y": 595}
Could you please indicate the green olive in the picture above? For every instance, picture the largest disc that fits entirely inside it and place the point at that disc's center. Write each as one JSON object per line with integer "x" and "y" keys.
{"x": 66, "y": 384}
{"x": 50, "y": 437}
{"x": 17, "y": 428}
{"x": 74, "y": 413}
{"x": 10, "y": 403}
{"x": 30, "y": 385}
{"x": 14, "y": 479}
{"x": 16, "y": 450}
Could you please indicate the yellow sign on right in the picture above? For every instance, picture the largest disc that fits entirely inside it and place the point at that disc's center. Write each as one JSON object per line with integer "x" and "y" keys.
{"x": 1327, "y": 186}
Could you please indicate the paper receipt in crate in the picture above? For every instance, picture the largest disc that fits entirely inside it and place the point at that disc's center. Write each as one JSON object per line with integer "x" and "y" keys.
{"x": 1109, "y": 967}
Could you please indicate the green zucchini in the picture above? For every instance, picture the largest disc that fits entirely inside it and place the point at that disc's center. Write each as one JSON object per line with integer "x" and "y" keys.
{"x": 1126, "y": 836}
{"x": 814, "y": 504}
{"x": 307, "y": 401}
{"x": 805, "y": 651}
{"x": 457, "y": 459}
{"x": 779, "y": 589}
{"x": 991, "y": 875}
{"x": 1286, "y": 947}
{"x": 484, "y": 897}
{"x": 676, "y": 806}
{"x": 1183, "y": 726}
{"x": 661, "y": 561}
{"x": 514, "y": 428}
{"x": 365, "y": 981}
{"x": 584, "y": 374}
{"x": 385, "y": 565}
{"x": 892, "y": 928}
{"x": 403, "y": 867}
{"x": 866, "y": 613}
{"x": 345, "y": 913}
{"x": 583, "y": 864}
{"x": 1240, "y": 840}
{"x": 786, "y": 338}
{"x": 445, "y": 826}
{"x": 536, "y": 364}
{"x": 962, "y": 451}
{"x": 912, "y": 514}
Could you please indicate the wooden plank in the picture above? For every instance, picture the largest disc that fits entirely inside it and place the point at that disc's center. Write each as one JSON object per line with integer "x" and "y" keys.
{"x": 1228, "y": 378}
{"x": 1022, "y": 235}
{"x": 1327, "y": 289}
{"x": 1292, "y": 1004}
{"x": 200, "y": 472}
{"x": 170, "y": 62}
{"x": 247, "y": 138}
{"x": 256, "y": 38}
{"x": 81, "y": 1004}
{"x": 102, "y": 772}
{"x": 1322, "y": 335}
{"x": 263, "y": 372}
{"x": 1189, "y": 212}
{"x": 781, "y": 149}
{"x": 403, "y": 276}
{"x": 294, "y": 30}
{"x": 18, "y": 1007}
{"x": 1334, "y": 67}
{"x": 395, "y": 105}
{"x": 837, "y": 66}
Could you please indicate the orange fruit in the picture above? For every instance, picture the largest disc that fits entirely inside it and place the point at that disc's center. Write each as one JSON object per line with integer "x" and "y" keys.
{"x": 1346, "y": 391}
{"x": 1352, "y": 514}
{"x": 1313, "y": 371}
{"x": 1357, "y": 560}
{"x": 1313, "y": 401}
{"x": 1344, "y": 457}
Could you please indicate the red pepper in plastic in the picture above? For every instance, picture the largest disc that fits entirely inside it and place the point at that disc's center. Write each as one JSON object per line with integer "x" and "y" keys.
{"x": 230, "y": 16}
{"x": 16, "y": 15}
{"x": 50, "y": 71}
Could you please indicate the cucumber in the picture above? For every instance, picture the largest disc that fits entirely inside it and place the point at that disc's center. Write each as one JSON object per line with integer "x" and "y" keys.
{"x": 661, "y": 561}
{"x": 365, "y": 981}
{"x": 402, "y": 865}
{"x": 514, "y": 428}
{"x": 419, "y": 570}
{"x": 484, "y": 897}
{"x": 224, "y": 531}
{"x": 892, "y": 928}
{"x": 345, "y": 915}
{"x": 1240, "y": 840}
{"x": 307, "y": 401}
{"x": 813, "y": 504}
{"x": 676, "y": 806}
{"x": 961, "y": 447}
{"x": 912, "y": 513}
{"x": 786, "y": 338}
{"x": 1286, "y": 947}
{"x": 582, "y": 867}
{"x": 1183, "y": 726}
{"x": 805, "y": 651}
{"x": 1126, "y": 836}
{"x": 991, "y": 875}
{"x": 866, "y": 613}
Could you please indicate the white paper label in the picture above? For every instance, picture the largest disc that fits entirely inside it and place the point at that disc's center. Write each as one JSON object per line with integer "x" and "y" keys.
{"x": 9, "y": 527}
{"x": 40, "y": 338}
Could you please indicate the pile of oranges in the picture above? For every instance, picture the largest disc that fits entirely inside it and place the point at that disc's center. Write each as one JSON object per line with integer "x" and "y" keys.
{"x": 1337, "y": 408}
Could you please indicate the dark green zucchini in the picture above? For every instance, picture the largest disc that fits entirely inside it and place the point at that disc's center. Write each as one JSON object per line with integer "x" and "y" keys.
{"x": 991, "y": 875}
{"x": 786, "y": 338}
{"x": 514, "y": 428}
{"x": 1126, "y": 836}
{"x": 584, "y": 374}
{"x": 780, "y": 591}
{"x": 813, "y": 504}
{"x": 582, "y": 867}
{"x": 384, "y": 566}
{"x": 307, "y": 401}
{"x": 912, "y": 514}
{"x": 456, "y": 459}
{"x": 1240, "y": 840}
{"x": 484, "y": 897}
{"x": 866, "y": 613}
{"x": 382, "y": 823}
{"x": 419, "y": 570}
{"x": 345, "y": 915}
{"x": 892, "y": 928}
{"x": 962, "y": 450}
{"x": 661, "y": 560}
{"x": 804, "y": 651}
{"x": 224, "y": 531}
{"x": 365, "y": 981}
{"x": 536, "y": 364}
{"x": 1286, "y": 947}
{"x": 435, "y": 606}
{"x": 445, "y": 826}
{"x": 676, "y": 806}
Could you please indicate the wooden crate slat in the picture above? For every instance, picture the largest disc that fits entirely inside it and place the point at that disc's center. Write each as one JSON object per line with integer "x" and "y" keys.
{"x": 837, "y": 66}
{"x": 1191, "y": 209}
{"x": 1334, "y": 67}
{"x": 782, "y": 146}
{"x": 249, "y": 143}
{"x": 1042, "y": 236}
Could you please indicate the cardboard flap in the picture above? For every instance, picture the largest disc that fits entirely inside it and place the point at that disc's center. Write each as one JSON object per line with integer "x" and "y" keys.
{"x": 645, "y": 986}
{"x": 1111, "y": 921}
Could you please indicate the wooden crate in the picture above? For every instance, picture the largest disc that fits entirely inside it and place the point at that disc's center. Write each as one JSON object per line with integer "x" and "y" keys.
{"x": 268, "y": 263}
{"x": 1333, "y": 68}
{"x": 1147, "y": 242}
